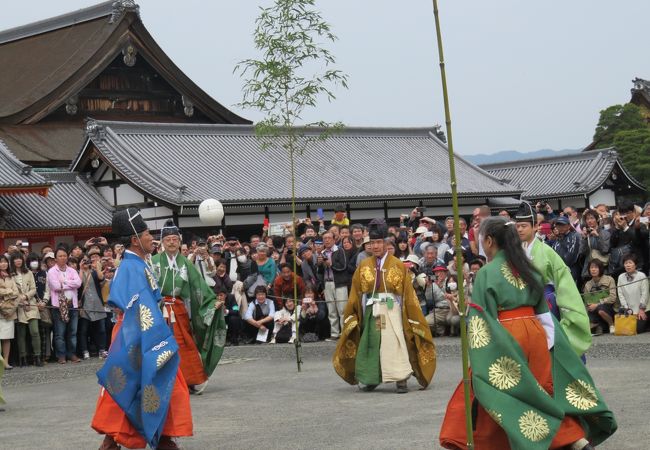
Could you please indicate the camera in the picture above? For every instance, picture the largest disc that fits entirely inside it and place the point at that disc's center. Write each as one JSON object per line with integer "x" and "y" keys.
{"x": 421, "y": 210}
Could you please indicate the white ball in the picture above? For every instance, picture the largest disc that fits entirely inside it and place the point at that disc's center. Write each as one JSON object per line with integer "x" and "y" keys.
{"x": 211, "y": 212}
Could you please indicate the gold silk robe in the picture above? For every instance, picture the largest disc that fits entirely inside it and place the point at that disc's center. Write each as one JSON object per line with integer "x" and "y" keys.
{"x": 421, "y": 350}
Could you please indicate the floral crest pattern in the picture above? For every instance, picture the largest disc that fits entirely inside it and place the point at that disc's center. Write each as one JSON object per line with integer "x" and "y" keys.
{"x": 150, "y": 399}
{"x": 116, "y": 381}
{"x": 504, "y": 373}
{"x": 146, "y": 318}
{"x": 162, "y": 359}
{"x": 511, "y": 278}
{"x": 581, "y": 395}
{"x": 533, "y": 426}
{"x": 478, "y": 332}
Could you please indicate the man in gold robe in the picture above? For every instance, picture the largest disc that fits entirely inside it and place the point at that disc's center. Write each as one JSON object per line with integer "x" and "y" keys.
{"x": 385, "y": 337}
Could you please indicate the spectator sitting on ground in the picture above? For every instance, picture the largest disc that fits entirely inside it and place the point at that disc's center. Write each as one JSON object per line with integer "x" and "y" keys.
{"x": 284, "y": 330}
{"x": 600, "y": 297}
{"x": 314, "y": 325}
{"x": 259, "y": 317}
{"x": 633, "y": 291}
{"x": 283, "y": 286}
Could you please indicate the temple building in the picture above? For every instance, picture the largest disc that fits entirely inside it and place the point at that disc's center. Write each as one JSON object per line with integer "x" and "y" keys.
{"x": 95, "y": 116}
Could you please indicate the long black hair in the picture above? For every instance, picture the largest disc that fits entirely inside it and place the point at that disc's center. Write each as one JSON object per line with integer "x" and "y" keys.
{"x": 505, "y": 235}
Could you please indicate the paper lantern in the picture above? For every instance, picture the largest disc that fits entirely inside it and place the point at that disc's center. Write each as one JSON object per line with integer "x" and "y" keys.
{"x": 211, "y": 212}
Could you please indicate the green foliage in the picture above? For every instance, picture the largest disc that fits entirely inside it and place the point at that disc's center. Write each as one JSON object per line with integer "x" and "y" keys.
{"x": 294, "y": 71}
{"x": 615, "y": 119}
{"x": 634, "y": 148}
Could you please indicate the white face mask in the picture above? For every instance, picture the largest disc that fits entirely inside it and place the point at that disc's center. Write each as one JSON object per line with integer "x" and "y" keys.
{"x": 34, "y": 265}
{"x": 452, "y": 286}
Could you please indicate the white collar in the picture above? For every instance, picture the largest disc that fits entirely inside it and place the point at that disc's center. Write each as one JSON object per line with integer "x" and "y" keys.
{"x": 528, "y": 247}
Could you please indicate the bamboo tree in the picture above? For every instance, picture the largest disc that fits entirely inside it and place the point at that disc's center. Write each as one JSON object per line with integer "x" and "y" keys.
{"x": 294, "y": 71}
{"x": 457, "y": 237}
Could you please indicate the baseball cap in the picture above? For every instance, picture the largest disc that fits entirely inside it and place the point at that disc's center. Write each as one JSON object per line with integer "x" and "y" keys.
{"x": 440, "y": 268}
{"x": 48, "y": 255}
{"x": 421, "y": 230}
{"x": 563, "y": 220}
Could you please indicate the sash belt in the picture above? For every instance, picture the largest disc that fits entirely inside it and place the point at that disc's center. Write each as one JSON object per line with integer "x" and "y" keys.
{"x": 523, "y": 312}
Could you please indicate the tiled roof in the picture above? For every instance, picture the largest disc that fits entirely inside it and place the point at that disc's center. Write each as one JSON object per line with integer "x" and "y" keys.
{"x": 565, "y": 176}
{"x": 70, "y": 203}
{"x": 53, "y": 59}
{"x": 14, "y": 174}
{"x": 183, "y": 164}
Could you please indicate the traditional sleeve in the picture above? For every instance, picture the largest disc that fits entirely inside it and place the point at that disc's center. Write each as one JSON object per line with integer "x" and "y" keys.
{"x": 141, "y": 368}
{"x": 208, "y": 324}
{"x": 573, "y": 314}
{"x": 344, "y": 357}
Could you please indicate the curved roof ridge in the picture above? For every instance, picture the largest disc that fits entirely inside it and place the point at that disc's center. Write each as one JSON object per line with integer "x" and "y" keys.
{"x": 578, "y": 155}
{"x": 57, "y": 22}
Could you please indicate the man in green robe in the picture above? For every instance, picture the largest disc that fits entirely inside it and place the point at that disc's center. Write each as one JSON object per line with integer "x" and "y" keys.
{"x": 559, "y": 284}
{"x": 192, "y": 310}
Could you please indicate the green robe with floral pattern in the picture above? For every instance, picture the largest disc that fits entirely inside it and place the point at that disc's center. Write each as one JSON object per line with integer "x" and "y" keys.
{"x": 208, "y": 325}
{"x": 504, "y": 385}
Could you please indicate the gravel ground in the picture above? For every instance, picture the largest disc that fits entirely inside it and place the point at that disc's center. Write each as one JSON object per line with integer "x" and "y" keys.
{"x": 257, "y": 399}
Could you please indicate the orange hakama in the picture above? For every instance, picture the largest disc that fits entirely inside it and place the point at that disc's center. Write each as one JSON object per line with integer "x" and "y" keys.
{"x": 110, "y": 420}
{"x": 191, "y": 365}
{"x": 524, "y": 326}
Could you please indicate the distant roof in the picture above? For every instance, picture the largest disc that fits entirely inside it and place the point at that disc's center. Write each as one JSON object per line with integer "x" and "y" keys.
{"x": 44, "y": 143}
{"x": 183, "y": 164}
{"x": 51, "y": 60}
{"x": 560, "y": 176}
{"x": 71, "y": 203}
{"x": 16, "y": 177}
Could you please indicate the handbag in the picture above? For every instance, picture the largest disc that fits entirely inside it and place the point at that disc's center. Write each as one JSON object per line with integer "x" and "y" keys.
{"x": 625, "y": 324}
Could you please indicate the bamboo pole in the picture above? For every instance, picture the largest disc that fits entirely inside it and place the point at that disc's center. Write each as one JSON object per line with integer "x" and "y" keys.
{"x": 296, "y": 319}
{"x": 457, "y": 236}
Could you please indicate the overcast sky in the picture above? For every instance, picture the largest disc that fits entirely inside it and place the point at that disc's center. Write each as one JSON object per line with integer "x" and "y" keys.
{"x": 523, "y": 75}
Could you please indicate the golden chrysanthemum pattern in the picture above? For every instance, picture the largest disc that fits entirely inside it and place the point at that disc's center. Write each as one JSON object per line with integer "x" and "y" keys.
{"x": 146, "y": 318}
{"x": 504, "y": 373}
{"x": 162, "y": 359}
{"x": 478, "y": 333}
{"x": 150, "y": 399}
{"x": 511, "y": 278}
{"x": 581, "y": 395}
{"x": 533, "y": 426}
{"x": 116, "y": 381}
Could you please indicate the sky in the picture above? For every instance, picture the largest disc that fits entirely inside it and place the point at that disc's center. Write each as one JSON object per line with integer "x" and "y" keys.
{"x": 522, "y": 75}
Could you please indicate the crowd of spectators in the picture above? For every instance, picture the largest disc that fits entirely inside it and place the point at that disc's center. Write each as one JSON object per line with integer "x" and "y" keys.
{"x": 54, "y": 304}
